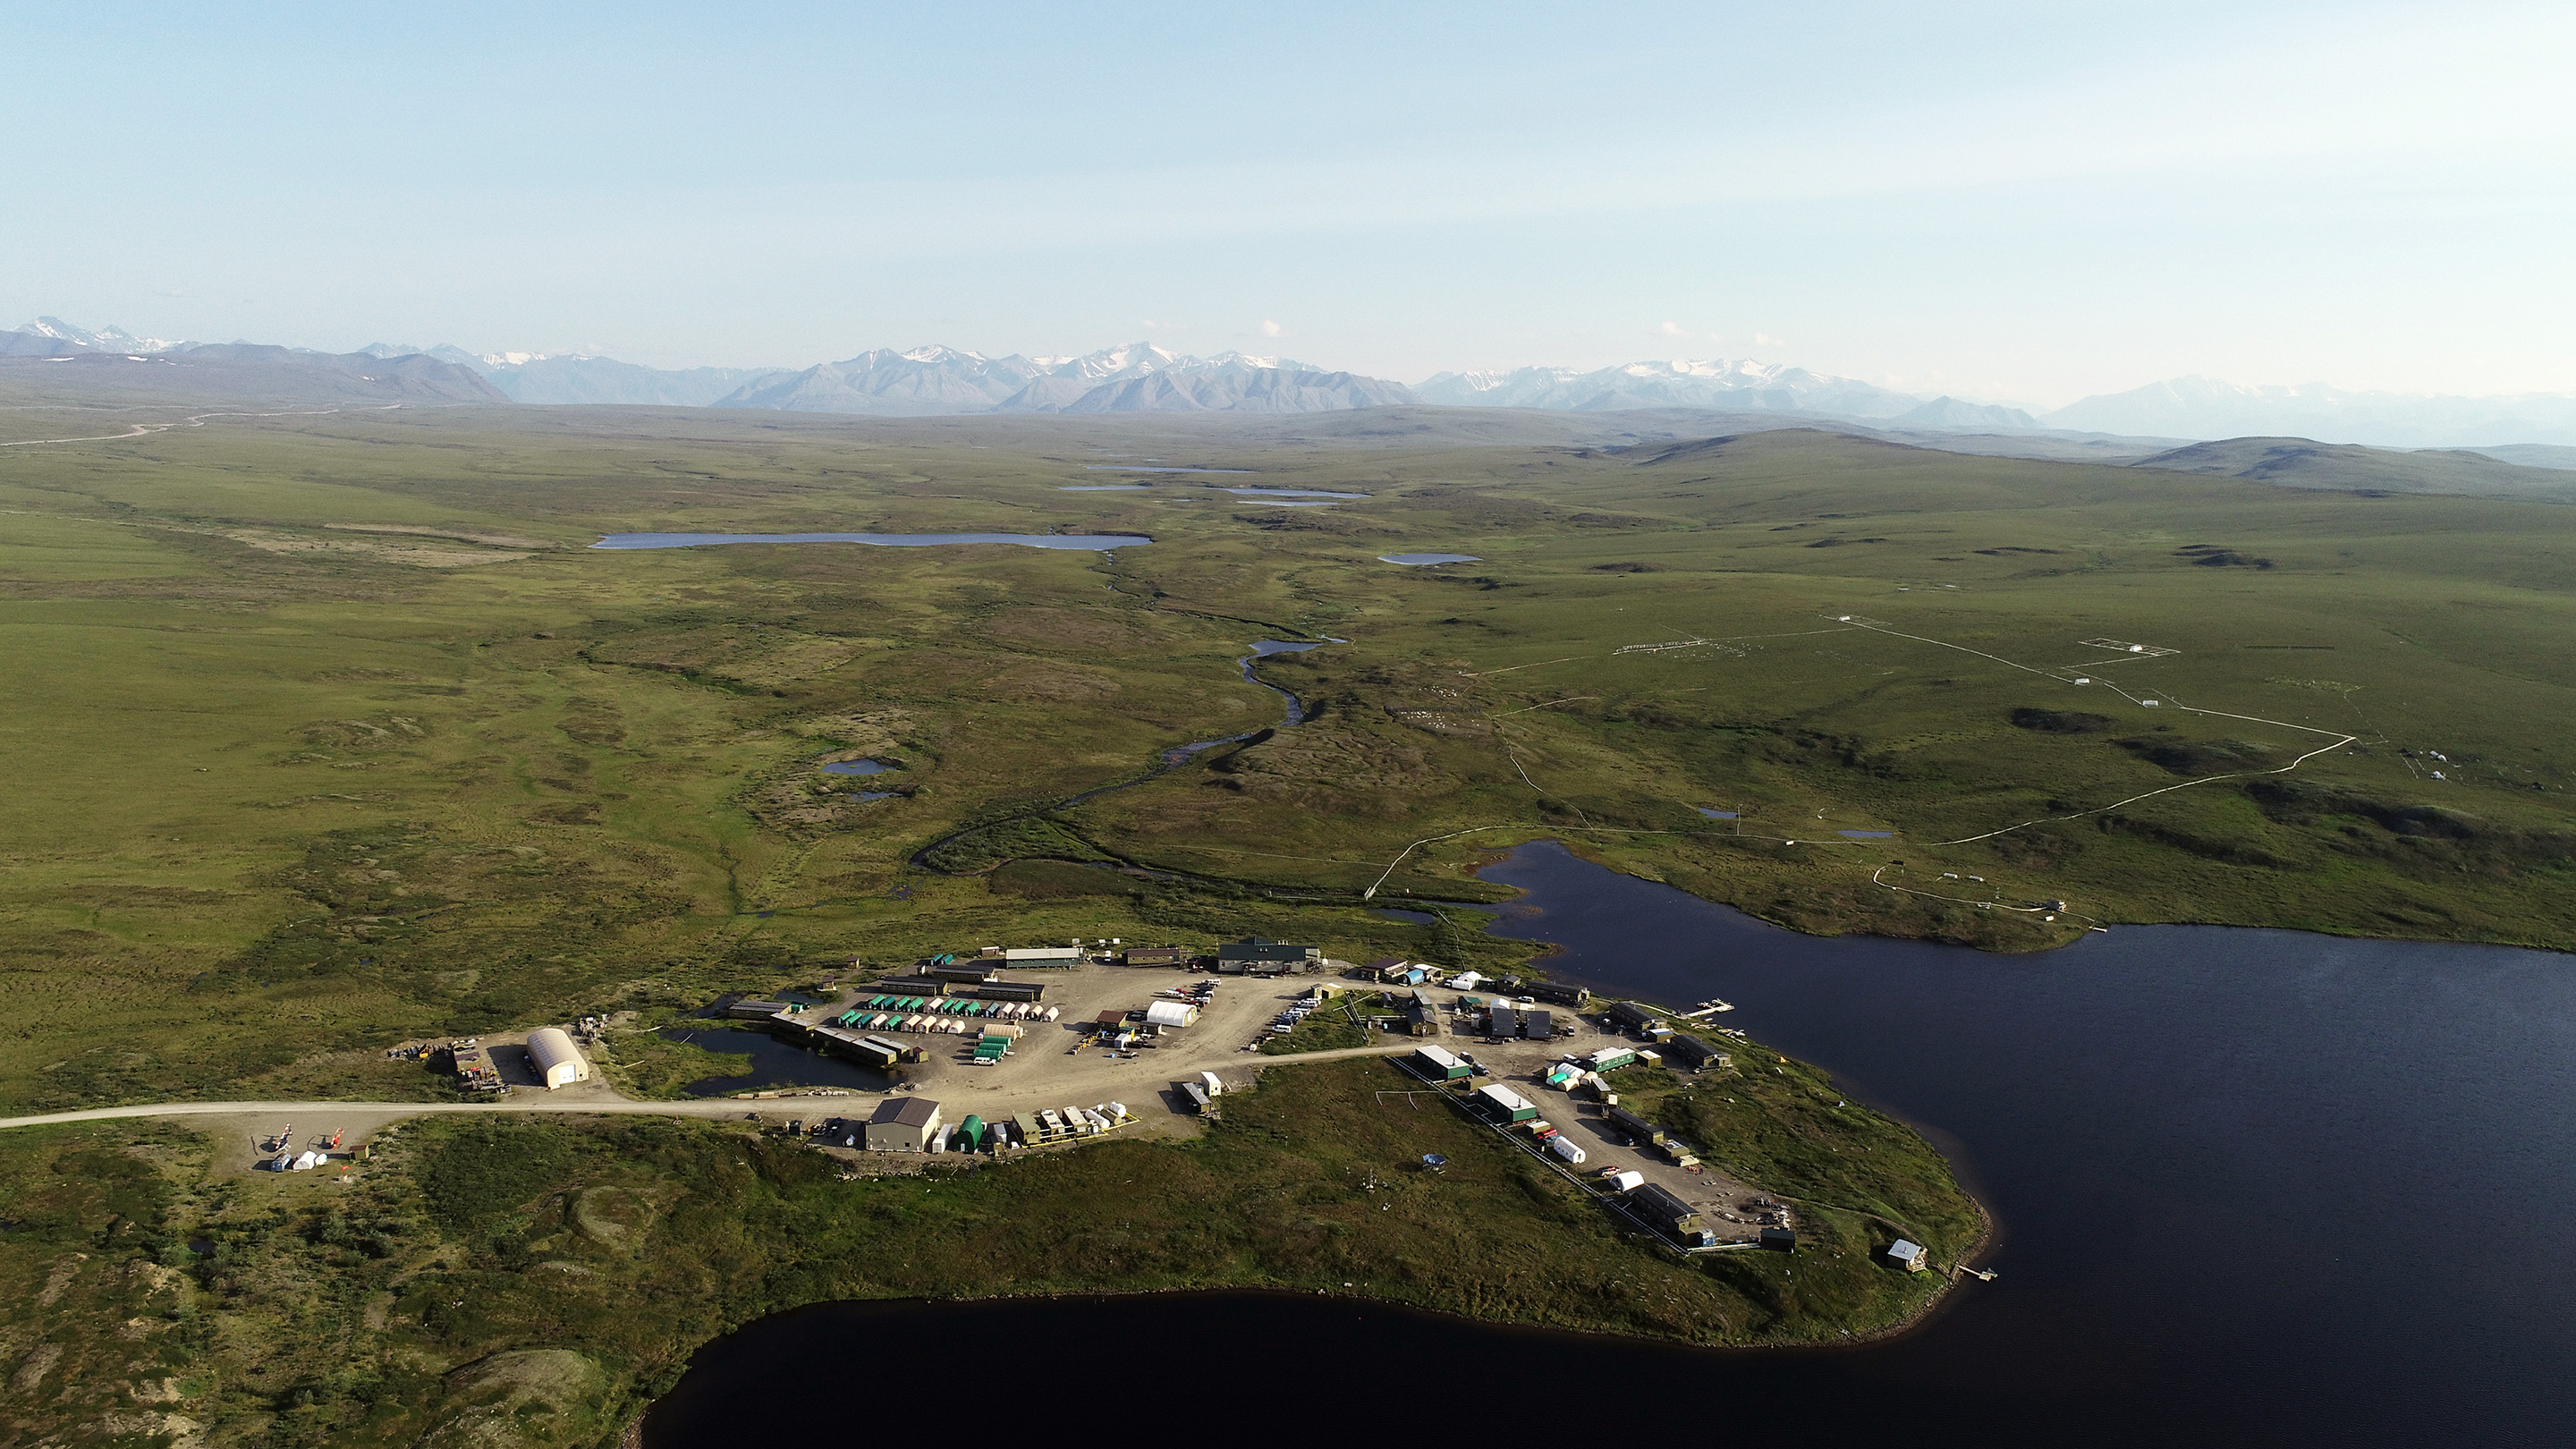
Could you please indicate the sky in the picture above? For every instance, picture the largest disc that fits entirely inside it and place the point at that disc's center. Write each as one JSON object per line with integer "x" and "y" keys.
{"x": 2016, "y": 202}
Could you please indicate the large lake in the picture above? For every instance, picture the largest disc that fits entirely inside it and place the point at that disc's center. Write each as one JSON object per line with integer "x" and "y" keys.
{"x": 2254, "y": 1187}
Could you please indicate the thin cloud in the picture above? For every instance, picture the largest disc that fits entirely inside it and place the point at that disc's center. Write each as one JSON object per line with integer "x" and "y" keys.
{"x": 1272, "y": 329}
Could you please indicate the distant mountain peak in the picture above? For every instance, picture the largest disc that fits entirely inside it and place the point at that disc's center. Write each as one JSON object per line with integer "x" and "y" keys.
{"x": 105, "y": 339}
{"x": 1131, "y": 377}
{"x": 1738, "y": 384}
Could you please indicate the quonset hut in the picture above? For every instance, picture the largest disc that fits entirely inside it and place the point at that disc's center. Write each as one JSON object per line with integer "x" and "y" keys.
{"x": 556, "y": 1061}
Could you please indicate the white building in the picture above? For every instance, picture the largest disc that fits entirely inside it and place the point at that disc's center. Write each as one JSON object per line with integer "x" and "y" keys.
{"x": 1171, "y": 1013}
{"x": 557, "y": 1062}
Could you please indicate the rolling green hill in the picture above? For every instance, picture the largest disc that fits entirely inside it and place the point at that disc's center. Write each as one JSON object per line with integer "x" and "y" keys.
{"x": 328, "y": 731}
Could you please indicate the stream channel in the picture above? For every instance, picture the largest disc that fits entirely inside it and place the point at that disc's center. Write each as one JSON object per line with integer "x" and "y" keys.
{"x": 2251, "y": 1187}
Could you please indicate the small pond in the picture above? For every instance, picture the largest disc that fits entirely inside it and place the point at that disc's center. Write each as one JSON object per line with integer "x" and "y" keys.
{"x": 774, "y": 1063}
{"x": 1144, "y": 468}
{"x": 888, "y": 540}
{"x": 1258, "y": 492}
{"x": 1104, "y": 487}
{"x": 1418, "y": 559}
{"x": 1716, "y": 814}
{"x": 859, "y": 767}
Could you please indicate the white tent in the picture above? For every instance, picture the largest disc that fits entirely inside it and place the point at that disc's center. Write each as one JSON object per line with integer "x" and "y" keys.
{"x": 1171, "y": 1013}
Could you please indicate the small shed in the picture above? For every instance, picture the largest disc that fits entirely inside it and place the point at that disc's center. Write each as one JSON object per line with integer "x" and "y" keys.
{"x": 1910, "y": 1256}
{"x": 1171, "y": 1014}
{"x": 557, "y": 1062}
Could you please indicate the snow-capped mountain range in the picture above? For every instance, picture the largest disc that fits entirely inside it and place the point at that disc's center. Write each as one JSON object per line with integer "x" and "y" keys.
{"x": 106, "y": 339}
{"x": 1138, "y": 377}
{"x": 1142, "y": 377}
{"x": 1742, "y": 385}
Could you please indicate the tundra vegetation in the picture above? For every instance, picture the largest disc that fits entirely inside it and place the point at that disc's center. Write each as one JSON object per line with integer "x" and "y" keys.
{"x": 330, "y": 732}
{"x": 514, "y": 1280}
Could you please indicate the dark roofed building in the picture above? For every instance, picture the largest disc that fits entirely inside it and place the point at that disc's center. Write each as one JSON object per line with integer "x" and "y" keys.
{"x": 1658, "y": 1205}
{"x": 1157, "y": 956}
{"x": 1695, "y": 1053}
{"x": 1560, "y": 993}
{"x": 1256, "y": 956}
{"x": 903, "y": 1124}
{"x": 1634, "y": 1017}
{"x": 1502, "y": 1021}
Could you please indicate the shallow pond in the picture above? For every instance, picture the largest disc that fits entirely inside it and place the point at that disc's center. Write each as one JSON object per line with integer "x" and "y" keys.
{"x": 1142, "y": 468}
{"x": 887, "y": 540}
{"x": 1419, "y": 559}
{"x": 859, "y": 767}
{"x": 774, "y": 1063}
{"x": 1291, "y": 493}
{"x": 2253, "y": 1187}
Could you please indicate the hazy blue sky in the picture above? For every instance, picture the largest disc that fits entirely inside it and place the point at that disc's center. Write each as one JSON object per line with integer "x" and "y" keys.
{"x": 2016, "y": 201}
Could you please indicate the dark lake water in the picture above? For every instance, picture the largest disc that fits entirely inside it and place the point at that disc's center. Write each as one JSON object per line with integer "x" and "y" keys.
{"x": 859, "y": 767}
{"x": 1418, "y": 559}
{"x": 2253, "y": 1187}
{"x": 888, "y": 540}
{"x": 774, "y": 1063}
{"x": 1259, "y": 492}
